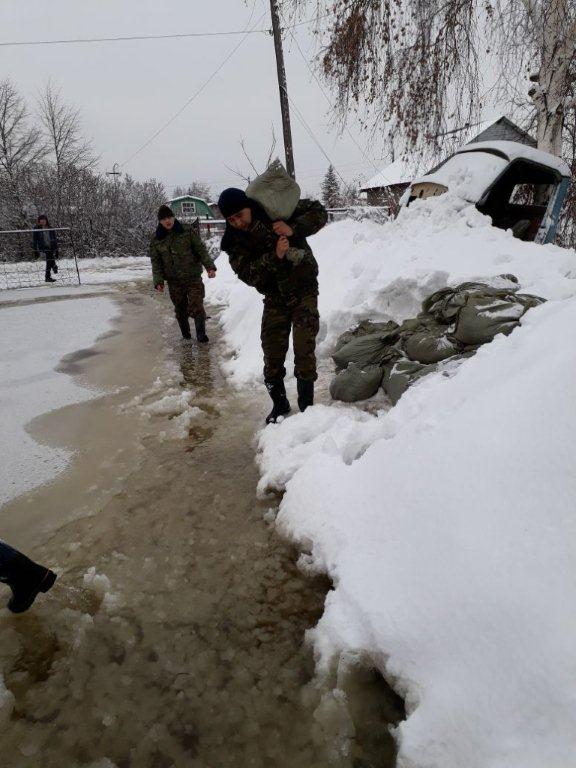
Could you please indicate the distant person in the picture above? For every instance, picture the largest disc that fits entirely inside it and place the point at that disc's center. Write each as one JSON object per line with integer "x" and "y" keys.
{"x": 46, "y": 243}
{"x": 274, "y": 258}
{"x": 177, "y": 254}
{"x": 24, "y": 577}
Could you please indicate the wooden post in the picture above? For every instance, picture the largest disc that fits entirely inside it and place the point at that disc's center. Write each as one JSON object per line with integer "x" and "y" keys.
{"x": 284, "y": 104}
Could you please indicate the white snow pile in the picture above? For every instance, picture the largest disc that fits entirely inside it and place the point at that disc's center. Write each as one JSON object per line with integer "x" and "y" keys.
{"x": 447, "y": 522}
{"x": 166, "y": 399}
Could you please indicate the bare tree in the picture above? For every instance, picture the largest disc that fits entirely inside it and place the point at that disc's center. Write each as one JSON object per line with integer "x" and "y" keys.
{"x": 70, "y": 152}
{"x": 418, "y": 66}
{"x": 21, "y": 148}
{"x": 253, "y": 170}
{"x": 195, "y": 189}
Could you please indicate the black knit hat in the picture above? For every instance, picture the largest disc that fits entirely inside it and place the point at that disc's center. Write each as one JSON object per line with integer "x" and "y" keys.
{"x": 164, "y": 212}
{"x": 232, "y": 201}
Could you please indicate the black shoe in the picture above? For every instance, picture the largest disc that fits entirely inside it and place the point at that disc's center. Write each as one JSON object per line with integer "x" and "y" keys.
{"x": 185, "y": 328}
{"x": 277, "y": 392}
{"x": 26, "y": 581}
{"x": 200, "y": 324}
{"x": 305, "y": 394}
{"x": 49, "y": 280}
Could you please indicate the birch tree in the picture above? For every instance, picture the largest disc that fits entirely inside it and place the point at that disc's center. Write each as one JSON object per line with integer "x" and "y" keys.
{"x": 421, "y": 67}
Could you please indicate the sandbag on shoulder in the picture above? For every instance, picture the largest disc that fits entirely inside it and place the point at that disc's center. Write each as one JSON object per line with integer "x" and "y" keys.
{"x": 276, "y": 191}
{"x": 355, "y": 384}
{"x": 365, "y": 350}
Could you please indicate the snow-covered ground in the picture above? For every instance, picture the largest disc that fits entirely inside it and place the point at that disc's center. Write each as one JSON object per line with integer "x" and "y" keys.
{"x": 447, "y": 522}
{"x": 92, "y": 272}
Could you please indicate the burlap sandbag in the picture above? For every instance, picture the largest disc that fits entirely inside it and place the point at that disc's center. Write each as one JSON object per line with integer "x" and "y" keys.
{"x": 355, "y": 384}
{"x": 400, "y": 375}
{"x": 483, "y": 318}
{"x": 276, "y": 191}
{"x": 365, "y": 350}
{"x": 365, "y": 328}
{"x": 430, "y": 346}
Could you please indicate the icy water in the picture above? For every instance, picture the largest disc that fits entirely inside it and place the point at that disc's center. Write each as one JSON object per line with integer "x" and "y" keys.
{"x": 175, "y": 634}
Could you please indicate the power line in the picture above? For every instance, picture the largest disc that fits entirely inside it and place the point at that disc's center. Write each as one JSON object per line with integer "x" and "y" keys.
{"x": 127, "y": 38}
{"x": 323, "y": 91}
{"x": 307, "y": 127}
{"x": 194, "y": 95}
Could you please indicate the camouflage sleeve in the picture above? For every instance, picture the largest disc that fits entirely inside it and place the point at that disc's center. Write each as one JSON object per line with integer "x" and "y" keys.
{"x": 308, "y": 218}
{"x": 157, "y": 265}
{"x": 257, "y": 272}
{"x": 201, "y": 251}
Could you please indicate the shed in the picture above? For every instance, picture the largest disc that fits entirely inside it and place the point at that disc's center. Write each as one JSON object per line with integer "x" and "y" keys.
{"x": 188, "y": 208}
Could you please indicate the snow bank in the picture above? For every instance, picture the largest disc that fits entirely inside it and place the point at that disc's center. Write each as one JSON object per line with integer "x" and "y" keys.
{"x": 446, "y": 523}
{"x": 34, "y": 339}
{"x": 383, "y": 272}
{"x": 451, "y": 544}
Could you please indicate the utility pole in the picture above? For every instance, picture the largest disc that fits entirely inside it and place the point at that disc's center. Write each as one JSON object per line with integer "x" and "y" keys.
{"x": 284, "y": 104}
{"x": 114, "y": 172}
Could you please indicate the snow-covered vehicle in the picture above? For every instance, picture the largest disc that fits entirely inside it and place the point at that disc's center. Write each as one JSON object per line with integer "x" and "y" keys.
{"x": 519, "y": 187}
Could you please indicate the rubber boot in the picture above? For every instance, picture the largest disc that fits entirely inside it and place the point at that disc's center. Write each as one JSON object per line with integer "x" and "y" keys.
{"x": 184, "y": 327}
{"x": 26, "y": 579}
{"x": 305, "y": 393}
{"x": 281, "y": 406}
{"x": 200, "y": 324}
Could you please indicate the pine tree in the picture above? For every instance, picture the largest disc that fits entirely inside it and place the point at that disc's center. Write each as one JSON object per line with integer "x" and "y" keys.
{"x": 331, "y": 189}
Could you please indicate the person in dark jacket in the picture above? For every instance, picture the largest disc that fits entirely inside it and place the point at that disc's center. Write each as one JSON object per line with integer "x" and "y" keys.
{"x": 178, "y": 254}
{"x": 275, "y": 258}
{"x": 24, "y": 577}
{"x": 45, "y": 242}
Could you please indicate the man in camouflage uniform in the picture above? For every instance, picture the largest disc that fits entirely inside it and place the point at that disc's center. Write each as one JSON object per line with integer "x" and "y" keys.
{"x": 177, "y": 254}
{"x": 275, "y": 258}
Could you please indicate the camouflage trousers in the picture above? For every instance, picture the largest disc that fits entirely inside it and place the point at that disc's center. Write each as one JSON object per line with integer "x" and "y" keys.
{"x": 278, "y": 320}
{"x": 188, "y": 300}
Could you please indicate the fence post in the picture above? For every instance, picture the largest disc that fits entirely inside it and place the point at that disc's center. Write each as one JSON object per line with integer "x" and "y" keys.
{"x": 73, "y": 244}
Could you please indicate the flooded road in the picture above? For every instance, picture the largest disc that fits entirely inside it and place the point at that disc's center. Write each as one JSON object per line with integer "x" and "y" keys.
{"x": 175, "y": 634}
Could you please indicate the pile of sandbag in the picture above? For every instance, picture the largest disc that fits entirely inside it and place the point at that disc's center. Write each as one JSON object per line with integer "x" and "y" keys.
{"x": 453, "y": 324}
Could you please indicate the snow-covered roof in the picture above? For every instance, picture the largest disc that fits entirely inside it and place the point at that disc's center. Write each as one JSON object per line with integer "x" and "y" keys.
{"x": 187, "y": 197}
{"x": 473, "y": 168}
{"x": 514, "y": 151}
{"x": 401, "y": 171}
{"x": 404, "y": 170}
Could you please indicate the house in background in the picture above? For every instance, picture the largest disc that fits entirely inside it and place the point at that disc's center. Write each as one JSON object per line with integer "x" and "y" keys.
{"x": 190, "y": 208}
{"x": 387, "y": 187}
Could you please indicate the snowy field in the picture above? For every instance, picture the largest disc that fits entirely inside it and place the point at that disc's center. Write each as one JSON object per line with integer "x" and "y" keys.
{"x": 447, "y": 522}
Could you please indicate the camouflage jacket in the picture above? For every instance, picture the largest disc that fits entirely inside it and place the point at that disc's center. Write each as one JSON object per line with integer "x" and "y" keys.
{"x": 177, "y": 255}
{"x": 252, "y": 254}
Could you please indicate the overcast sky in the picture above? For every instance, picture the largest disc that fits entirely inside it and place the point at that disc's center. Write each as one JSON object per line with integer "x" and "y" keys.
{"x": 127, "y": 90}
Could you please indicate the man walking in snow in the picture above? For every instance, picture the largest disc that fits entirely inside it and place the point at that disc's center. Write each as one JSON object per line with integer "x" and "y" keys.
{"x": 274, "y": 258}
{"x": 177, "y": 254}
